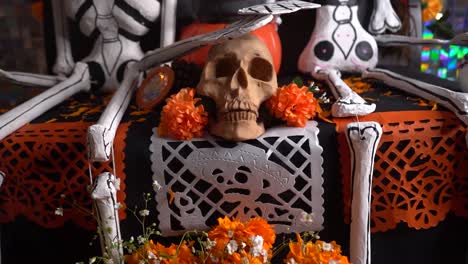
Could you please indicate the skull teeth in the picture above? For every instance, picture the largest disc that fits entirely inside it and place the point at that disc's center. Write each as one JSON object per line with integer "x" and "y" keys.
{"x": 239, "y": 116}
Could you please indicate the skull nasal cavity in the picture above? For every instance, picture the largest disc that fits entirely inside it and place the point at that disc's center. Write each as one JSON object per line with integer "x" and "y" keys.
{"x": 226, "y": 67}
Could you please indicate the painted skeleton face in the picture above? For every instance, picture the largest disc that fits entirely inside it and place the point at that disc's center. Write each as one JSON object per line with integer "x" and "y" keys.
{"x": 339, "y": 41}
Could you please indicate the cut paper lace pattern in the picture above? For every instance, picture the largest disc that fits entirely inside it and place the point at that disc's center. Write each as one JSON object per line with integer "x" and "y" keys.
{"x": 420, "y": 170}
{"x": 43, "y": 162}
{"x": 277, "y": 176}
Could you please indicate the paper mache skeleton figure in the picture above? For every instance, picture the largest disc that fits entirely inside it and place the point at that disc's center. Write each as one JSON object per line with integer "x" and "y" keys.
{"x": 115, "y": 62}
{"x": 339, "y": 43}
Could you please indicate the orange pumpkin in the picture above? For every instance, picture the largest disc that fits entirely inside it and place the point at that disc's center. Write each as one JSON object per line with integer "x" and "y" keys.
{"x": 268, "y": 34}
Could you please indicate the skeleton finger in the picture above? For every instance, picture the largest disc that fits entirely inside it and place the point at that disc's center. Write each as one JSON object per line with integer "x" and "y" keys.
{"x": 383, "y": 18}
{"x": 30, "y": 79}
{"x": 29, "y": 110}
{"x": 101, "y": 135}
{"x": 348, "y": 102}
{"x": 279, "y": 8}
{"x": 363, "y": 139}
{"x": 161, "y": 55}
{"x": 104, "y": 193}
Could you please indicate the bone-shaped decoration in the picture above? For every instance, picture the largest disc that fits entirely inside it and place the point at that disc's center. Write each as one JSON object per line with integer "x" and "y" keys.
{"x": 363, "y": 139}
{"x": 104, "y": 193}
{"x": 2, "y": 177}
{"x": 348, "y": 103}
{"x": 29, "y": 110}
{"x": 455, "y": 101}
{"x": 168, "y": 22}
{"x": 23, "y": 78}
{"x": 338, "y": 41}
{"x": 383, "y": 18}
{"x": 64, "y": 62}
{"x": 277, "y": 8}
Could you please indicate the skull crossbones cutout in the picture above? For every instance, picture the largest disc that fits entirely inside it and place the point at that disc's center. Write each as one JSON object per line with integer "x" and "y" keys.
{"x": 239, "y": 76}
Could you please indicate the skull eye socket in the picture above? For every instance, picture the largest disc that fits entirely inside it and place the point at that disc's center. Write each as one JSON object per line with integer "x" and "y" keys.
{"x": 226, "y": 67}
{"x": 261, "y": 69}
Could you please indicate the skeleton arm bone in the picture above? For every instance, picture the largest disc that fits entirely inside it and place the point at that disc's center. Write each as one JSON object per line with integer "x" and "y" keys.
{"x": 455, "y": 101}
{"x": 101, "y": 135}
{"x": 168, "y": 22}
{"x": 36, "y": 106}
{"x": 239, "y": 28}
{"x": 104, "y": 193}
{"x": 399, "y": 40}
{"x": 348, "y": 103}
{"x": 64, "y": 62}
{"x": 31, "y": 79}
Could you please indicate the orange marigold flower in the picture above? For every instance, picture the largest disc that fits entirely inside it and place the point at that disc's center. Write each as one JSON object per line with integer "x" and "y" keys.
{"x": 237, "y": 242}
{"x": 181, "y": 117}
{"x": 293, "y": 104}
{"x": 430, "y": 9}
{"x": 319, "y": 252}
{"x": 180, "y": 254}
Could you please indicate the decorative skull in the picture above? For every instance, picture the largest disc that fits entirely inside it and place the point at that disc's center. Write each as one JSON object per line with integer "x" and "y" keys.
{"x": 238, "y": 76}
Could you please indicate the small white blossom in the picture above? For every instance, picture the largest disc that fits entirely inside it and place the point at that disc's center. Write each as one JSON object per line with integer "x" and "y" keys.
{"x": 232, "y": 247}
{"x": 59, "y": 211}
{"x": 210, "y": 244}
{"x": 243, "y": 245}
{"x": 131, "y": 239}
{"x": 333, "y": 262}
{"x": 307, "y": 218}
{"x": 151, "y": 255}
{"x": 92, "y": 260}
{"x": 156, "y": 185}
{"x": 144, "y": 212}
{"x": 257, "y": 246}
{"x": 327, "y": 246}
{"x": 142, "y": 262}
{"x": 141, "y": 239}
{"x": 214, "y": 259}
{"x": 291, "y": 261}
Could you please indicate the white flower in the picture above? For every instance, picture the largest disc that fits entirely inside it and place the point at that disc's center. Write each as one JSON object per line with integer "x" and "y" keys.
{"x": 307, "y": 218}
{"x": 141, "y": 239}
{"x": 232, "y": 247}
{"x": 291, "y": 261}
{"x": 257, "y": 246}
{"x": 141, "y": 262}
{"x": 333, "y": 262}
{"x": 243, "y": 245}
{"x": 210, "y": 244}
{"x": 214, "y": 259}
{"x": 327, "y": 246}
{"x": 144, "y": 212}
{"x": 59, "y": 211}
{"x": 156, "y": 185}
{"x": 92, "y": 260}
